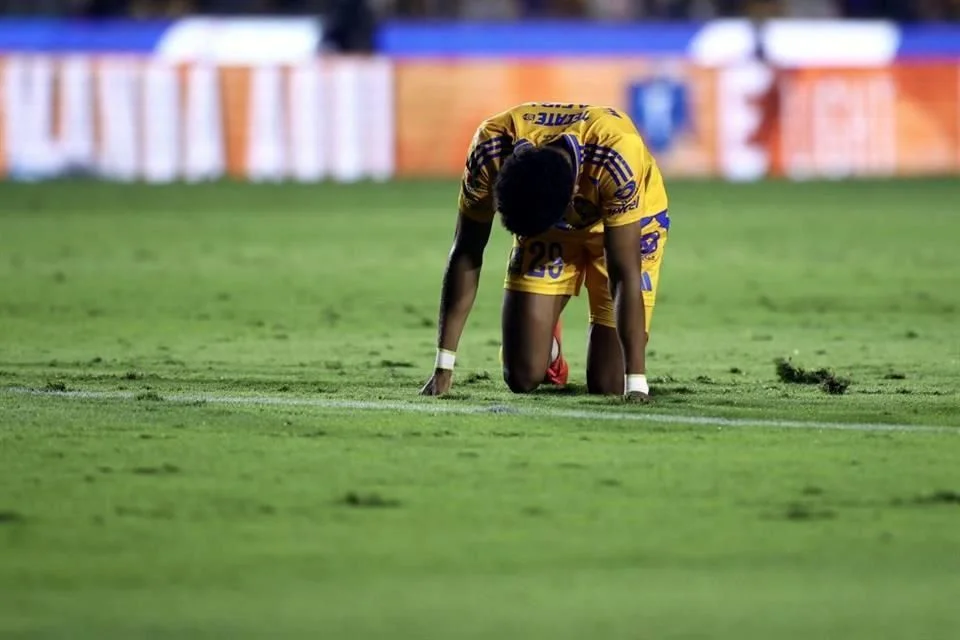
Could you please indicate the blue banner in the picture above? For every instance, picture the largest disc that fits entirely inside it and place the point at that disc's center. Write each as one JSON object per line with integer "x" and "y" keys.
{"x": 859, "y": 41}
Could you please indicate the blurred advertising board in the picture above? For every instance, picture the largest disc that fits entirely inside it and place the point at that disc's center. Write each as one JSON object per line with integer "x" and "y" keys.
{"x": 194, "y": 99}
{"x": 787, "y": 99}
{"x": 256, "y": 99}
{"x": 144, "y": 119}
{"x": 900, "y": 120}
{"x": 440, "y": 104}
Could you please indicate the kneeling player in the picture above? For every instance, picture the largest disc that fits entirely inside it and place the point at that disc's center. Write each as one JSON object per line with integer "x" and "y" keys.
{"x": 585, "y": 201}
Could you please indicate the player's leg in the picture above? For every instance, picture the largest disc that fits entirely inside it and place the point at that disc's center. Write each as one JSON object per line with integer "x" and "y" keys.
{"x": 604, "y": 354}
{"x": 528, "y": 334}
{"x": 558, "y": 371}
{"x": 542, "y": 274}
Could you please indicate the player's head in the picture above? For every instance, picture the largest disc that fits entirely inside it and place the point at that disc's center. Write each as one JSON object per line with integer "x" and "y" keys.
{"x": 534, "y": 189}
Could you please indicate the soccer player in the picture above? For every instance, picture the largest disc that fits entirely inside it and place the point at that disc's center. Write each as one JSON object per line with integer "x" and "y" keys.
{"x": 585, "y": 201}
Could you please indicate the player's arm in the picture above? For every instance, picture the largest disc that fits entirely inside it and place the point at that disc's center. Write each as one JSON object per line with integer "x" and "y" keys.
{"x": 622, "y": 192}
{"x": 461, "y": 278}
{"x": 622, "y": 247}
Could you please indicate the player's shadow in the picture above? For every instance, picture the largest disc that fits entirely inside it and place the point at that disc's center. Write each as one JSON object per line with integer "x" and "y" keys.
{"x": 571, "y": 389}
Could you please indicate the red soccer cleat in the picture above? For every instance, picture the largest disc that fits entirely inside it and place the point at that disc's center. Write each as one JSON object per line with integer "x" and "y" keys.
{"x": 559, "y": 370}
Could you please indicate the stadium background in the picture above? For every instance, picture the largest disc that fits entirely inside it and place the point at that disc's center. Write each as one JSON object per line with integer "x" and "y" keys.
{"x": 267, "y": 91}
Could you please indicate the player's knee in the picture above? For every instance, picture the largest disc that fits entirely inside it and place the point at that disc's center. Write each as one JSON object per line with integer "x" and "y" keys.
{"x": 521, "y": 381}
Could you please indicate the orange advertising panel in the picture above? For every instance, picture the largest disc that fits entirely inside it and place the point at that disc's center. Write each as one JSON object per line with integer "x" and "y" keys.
{"x": 898, "y": 120}
{"x": 742, "y": 122}
{"x": 440, "y": 104}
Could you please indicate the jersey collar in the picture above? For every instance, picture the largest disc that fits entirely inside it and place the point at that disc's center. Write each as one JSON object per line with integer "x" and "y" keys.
{"x": 576, "y": 152}
{"x": 573, "y": 146}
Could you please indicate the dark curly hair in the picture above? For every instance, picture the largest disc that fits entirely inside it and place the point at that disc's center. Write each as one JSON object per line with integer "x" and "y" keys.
{"x": 533, "y": 190}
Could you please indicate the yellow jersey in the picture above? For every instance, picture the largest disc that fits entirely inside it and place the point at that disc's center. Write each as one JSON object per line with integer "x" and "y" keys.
{"x": 618, "y": 180}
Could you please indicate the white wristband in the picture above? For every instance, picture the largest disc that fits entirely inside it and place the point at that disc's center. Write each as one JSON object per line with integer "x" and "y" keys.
{"x": 635, "y": 382}
{"x": 446, "y": 359}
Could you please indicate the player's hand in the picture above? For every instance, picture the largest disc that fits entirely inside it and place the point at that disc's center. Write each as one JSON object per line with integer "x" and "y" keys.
{"x": 438, "y": 384}
{"x": 636, "y": 397}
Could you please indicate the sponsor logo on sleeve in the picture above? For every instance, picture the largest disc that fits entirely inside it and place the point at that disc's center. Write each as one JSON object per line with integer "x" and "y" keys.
{"x": 623, "y": 207}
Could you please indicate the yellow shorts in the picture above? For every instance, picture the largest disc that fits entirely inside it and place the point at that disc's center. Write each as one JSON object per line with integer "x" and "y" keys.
{"x": 558, "y": 263}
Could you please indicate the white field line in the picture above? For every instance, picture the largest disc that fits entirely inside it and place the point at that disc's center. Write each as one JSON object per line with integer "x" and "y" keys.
{"x": 454, "y": 408}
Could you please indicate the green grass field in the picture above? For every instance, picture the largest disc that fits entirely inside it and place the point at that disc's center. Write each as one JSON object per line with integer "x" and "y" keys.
{"x": 174, "y": 462}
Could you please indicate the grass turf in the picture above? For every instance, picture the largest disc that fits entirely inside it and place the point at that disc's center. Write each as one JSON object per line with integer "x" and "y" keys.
{"x": 123, "y": 518}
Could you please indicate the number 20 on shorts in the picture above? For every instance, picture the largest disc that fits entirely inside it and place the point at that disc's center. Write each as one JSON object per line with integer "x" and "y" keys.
{"x": 545, "y": 259}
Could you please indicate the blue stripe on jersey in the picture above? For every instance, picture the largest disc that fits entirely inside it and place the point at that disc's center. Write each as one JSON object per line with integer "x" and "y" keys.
{"x": 609, "y": 157}
{"x": 605, "y": 158}
{"x": 494, "y": 142}
{"x": 611, "y": 160}
{"x": 481, "y": 153}
{"x": 488, "y": 150}
{"x": 616, "y": 159}
{"x": 663, "y": 218}
{"x": 646, "y": 283}
{"x": 605, "y": 165}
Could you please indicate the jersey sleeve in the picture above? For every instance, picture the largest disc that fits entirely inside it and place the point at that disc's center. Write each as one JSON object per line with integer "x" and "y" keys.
{"x": 490, "y": 145}
{"x": 623, "y": 181}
